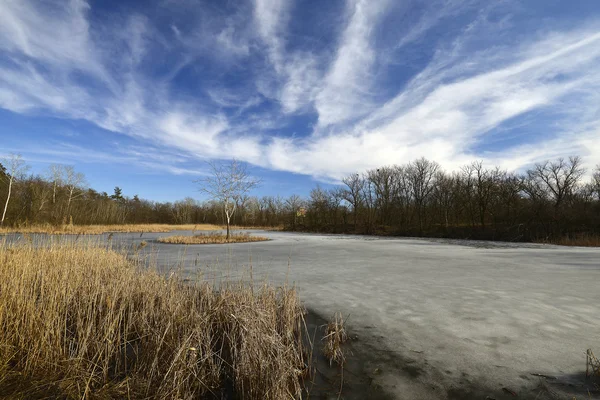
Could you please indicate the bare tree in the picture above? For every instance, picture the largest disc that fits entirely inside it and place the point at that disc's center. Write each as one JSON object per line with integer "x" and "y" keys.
{"x": 385, "y": 185}
{"x": 319, "y": 203}
{"x": 421, "y": 176}
{"x": 183, "y": 210}
{"x": 596, "y": 181}
{"x": 445, "y": 194}
{"x": 369, "y": 201}
{"x": 228, "y": 184}
{"x": 16, "y": 168}
{"x": 484, "y": 182}
{"x": 295, "y": 204}
{"x": 253, "y": 210}
{"x": 55, "y": 173}
{"x": 39, "y": 194}
{"x": 242, "y": 205}
{"x": 275, "y": 206}
{"x": 336, "y": 197}
{"x": 73, "y": 182}
{"x": 352, "y": 194}
{"x": 557, "y": 179}
{"x": 402, "y": 195}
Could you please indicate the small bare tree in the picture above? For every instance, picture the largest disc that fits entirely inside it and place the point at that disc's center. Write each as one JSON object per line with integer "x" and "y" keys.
{"x": 55, "y": 174}
{"x": 444, "y": 194}
{"x": 73, "y": 182}
{"x": 353, "y": 193}
{"x": 557, "y": 179}
{"x": 421, "y": 177}
{"x": 385, "y": 186}
{"x": 482, "y": 185}
{"x": 15, "y": 168}
{"x": 294, "y": 205}
{"x": 596, "y": 181}
{"x": 228, "y": 184}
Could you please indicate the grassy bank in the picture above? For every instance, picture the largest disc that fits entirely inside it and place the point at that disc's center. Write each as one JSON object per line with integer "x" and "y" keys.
{"x": 84, "y": 322}
{"x": 100, "y": 229}
{"x": 578, "y": 240}
{"x": 212, "y": 238}
{"x": 277, "y": 228}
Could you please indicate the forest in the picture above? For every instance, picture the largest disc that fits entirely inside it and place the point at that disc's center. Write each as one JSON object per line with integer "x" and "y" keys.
{"x": 551, "y": 201}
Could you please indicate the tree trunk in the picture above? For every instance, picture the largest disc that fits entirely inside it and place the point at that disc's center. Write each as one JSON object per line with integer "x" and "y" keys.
{"x": 482, "y": 210}
{"x": 7, "y": 200}
{"x": 228, "y": 218}
{"x": 68, "y": 204}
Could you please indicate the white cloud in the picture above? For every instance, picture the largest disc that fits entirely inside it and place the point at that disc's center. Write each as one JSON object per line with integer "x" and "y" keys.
{"x": 62, "y": 39}
{"x": 271, "y": 17}
{"x": 133, "y": 105}
{"x": 301, "y": 84}
{"x": 297, "y": 73}
{"x": 345, "y": 94}
{"x": 55, "y": 61}
{"x": 199, "y": 133}
{"x": 445, "y": 121}
{"x": 228, "y": 40}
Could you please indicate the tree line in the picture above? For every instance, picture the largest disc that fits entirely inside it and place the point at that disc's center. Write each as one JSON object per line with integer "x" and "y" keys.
{"x": 61, "y": 196}
{"x": 548, "y": 201}
{"x": 551, "y": 200}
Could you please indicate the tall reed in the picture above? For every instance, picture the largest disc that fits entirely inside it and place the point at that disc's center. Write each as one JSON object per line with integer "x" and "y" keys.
{"x": 83, "y": 321}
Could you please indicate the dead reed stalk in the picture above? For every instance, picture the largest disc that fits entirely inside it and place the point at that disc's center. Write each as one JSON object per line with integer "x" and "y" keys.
{"x": 335, "y": 336}
{"x": 592, "y": 365}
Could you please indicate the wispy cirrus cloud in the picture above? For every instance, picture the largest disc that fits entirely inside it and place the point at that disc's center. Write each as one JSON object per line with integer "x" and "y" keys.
{"x": 346, "y": 93}
{"x": 446, "y": 120}
{"x": 146, "y": 158}
{"x": 449, "y": 80}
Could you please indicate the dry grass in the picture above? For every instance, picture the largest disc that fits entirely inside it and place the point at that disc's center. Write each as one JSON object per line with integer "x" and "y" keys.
{"x": 261, "y": 228}
{"x": 212, "y": 238}
{"x": 81, "y": 321}
{"x": 335, "y": 336}
{"x": 99, "y": 229}
{"x": 579, "y": 240}
{"x": 592, "y": 367}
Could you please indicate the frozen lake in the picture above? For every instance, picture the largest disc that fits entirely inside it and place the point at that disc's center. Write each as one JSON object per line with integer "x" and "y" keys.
{"x": 434, "y": 318}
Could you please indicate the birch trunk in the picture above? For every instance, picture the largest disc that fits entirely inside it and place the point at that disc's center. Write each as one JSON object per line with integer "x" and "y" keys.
{"x": 7, "y": 200}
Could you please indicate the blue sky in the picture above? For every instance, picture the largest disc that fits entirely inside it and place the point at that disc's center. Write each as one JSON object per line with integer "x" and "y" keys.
{"x": 140, "y": 94}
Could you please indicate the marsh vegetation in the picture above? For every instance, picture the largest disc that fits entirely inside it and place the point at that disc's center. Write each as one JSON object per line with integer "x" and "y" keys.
{"x": 84, "y": 321}
{"x": 213, "y": 238}
{"x": 70, "y": 229}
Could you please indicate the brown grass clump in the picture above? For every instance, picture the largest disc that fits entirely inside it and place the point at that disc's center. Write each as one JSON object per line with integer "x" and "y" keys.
{"x": 68, "y": 229}
{"x": 579, "y": 240}
{"x": 592, "y": 367}
{"x": 258, "y": 227}
{"x": 212, "y": 238}
{"x": 80, "y": 321}
{"x": 335, "y": 336}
